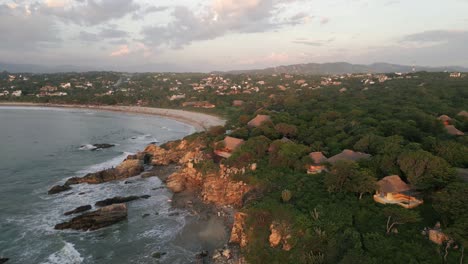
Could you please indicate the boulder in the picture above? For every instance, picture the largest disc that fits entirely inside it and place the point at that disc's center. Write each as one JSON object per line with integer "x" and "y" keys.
{"x": 59, "y": 188}
{"x": 275, "y": 236}
{"x": 116, "y": 200}
{"x": 126, "y": 169}
{"x": 102, "y": 146}
{"x": 79, "y": 209}
{"x": 238, "y": 234}
{"x": 3, "y": 260}
{"x": 176, "y": 182}
{"x": 100, "y": 218}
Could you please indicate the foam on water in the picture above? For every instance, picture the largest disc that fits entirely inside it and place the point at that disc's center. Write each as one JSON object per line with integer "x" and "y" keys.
{"x": 68, "y": 254}
{"x": 105, "y": 165}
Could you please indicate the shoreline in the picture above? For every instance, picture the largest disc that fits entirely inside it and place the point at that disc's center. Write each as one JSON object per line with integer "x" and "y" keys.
{"x": 200, "y": 121}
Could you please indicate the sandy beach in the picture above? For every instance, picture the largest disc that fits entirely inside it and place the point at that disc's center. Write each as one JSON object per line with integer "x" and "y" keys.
{"x": 199, "y": 121}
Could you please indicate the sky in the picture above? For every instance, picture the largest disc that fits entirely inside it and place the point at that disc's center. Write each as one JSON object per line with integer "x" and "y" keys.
{"x": 206, "y": 35}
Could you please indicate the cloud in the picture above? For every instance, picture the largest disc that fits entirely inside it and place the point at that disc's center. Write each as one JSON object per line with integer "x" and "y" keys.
{"x": 90, "y": 12}
{"x": 437, "y": 36}
{"x": 104, "y": 34}
{"x": 315, "y": 43}
{"x": 220, "y": 18}
{"x": 141, "y": 13}
{"x": 121, "y": 51}
{"x": 23, "y": 30}
{"x": 135, "y": 49}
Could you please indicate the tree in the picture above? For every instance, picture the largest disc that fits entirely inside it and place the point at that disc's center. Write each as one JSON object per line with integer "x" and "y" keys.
{"x": 399, "y": 216}
{"x": 425, "y": 170}
{"x": 286, "y": 130}
{"x": 346, "y": 176}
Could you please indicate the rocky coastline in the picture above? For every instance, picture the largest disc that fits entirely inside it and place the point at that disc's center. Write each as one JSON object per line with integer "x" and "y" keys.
{"x": 213, "y": 196}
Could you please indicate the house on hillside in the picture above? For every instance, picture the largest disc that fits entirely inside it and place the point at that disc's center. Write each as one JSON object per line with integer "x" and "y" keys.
{"x": 445, "y": 119}
{"x": 317, "y": 166}
{"x": 349, "y": 155}
{"x": 259, "y": 120}
{"x": 452, "y": 130}
{"x": 463, "y": 114}
{"x": 393, "y": 190}
{"x": 228, "y": 145}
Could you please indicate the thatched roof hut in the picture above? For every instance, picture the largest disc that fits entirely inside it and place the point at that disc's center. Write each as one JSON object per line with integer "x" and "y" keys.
{"x": 232, "y": 143}
{"x": 463, "y": 113}
{"x": 259, "y": 120}
{"x": 452, "y": 130}
{"x": 349, "y": 155}
{"x": 444, "y": 118}
{"x": 393, "y": 184}
{"x": 318, "y": 157}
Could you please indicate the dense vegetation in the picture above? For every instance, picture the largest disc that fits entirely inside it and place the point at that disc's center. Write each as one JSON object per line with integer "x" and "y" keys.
{"x": 331, "y": 216}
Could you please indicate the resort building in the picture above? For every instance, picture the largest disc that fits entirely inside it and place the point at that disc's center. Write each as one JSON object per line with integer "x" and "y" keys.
{"x": 393, "y": 190}
{"x": 317, "y": 166}
{"x": 229, "y": 144}
{"x": 259, "y": 120}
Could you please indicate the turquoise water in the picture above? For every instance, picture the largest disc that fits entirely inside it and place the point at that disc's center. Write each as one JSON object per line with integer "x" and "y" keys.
{"x": 41, "y": 147}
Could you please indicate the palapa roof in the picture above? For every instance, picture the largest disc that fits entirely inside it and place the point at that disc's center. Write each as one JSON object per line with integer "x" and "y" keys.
{"x": 232, "y": 143}
{"x": 350, "y": 155}
{"x": 393, "y": 184}
{"x": 318, "y": 157}
{"x": 452, "y": 130}
{"x": 463, "y": 113}
{"x": 258, "y": 120}
{"x": 444, "y": 118}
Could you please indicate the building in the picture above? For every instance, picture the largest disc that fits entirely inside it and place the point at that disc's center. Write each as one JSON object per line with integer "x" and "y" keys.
{"x": 348, "y": 155}
{"x": 452, "y": 130}
{"x": 259, "y": 120}
{"x": 463, "y": 114}
{"x": 445, "y": 119}
{"x": 227, "y": 146}
{"x": 237, "y": 103}
{"x": 17, "y": 93}
{"x": 318, "y": 159}
{"x": 455, "y": 75}
{"x": 393, "y": 190}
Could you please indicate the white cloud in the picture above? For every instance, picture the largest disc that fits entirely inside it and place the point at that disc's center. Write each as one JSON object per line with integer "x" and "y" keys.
{"x": 121, "y": 51}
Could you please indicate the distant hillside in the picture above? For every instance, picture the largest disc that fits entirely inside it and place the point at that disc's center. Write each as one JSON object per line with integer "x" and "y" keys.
{"x": 34, "y": 68}
{"x": 344, "y": 67}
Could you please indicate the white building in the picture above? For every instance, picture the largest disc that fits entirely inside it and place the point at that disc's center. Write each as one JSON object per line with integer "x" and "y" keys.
{"x": 17, "y": 93}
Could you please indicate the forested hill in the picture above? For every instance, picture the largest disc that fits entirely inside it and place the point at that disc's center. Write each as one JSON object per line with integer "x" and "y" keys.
{"x": 344, "y": 67}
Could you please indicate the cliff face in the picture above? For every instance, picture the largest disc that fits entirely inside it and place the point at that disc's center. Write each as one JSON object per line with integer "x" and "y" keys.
{"x": 217, "y": 186}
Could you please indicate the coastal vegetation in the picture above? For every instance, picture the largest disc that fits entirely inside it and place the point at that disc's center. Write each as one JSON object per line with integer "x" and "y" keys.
{"x": 329, "y": 217}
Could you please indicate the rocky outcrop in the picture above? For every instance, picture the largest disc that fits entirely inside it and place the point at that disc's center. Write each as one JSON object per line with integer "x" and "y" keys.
{"x": 119, "y": 199}
{"x": 186, "y": 178}
{"x": 3, "y": 260}
{"x": 79, "y": 209}
{"x": 59, "y": 188}
{"x": 100, "y": 218}
{"x": 238, "y": 235}
{"x": 223, "y": 191}
{"x": 126, "y": 169}
{"x": 280, "y": 234}
{"x": 102, "y": 146}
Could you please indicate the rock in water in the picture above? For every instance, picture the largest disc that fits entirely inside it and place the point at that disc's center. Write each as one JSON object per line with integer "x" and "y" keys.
{"x": 79, "y": 209}
{"x": 102, "y": 146}
{"x": 117, "y": 200}
{"x": 3, "y": 260}
{"x": 59, "y": 188}
{"x": 100, "y": 218}
{"x": 126, "y": 169}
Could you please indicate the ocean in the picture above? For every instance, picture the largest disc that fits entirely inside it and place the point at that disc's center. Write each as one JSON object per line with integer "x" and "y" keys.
{"x": 42, "y": 147}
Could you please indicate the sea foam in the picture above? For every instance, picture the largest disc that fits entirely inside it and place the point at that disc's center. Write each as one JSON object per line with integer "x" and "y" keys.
{"x": 68, "y": 254}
